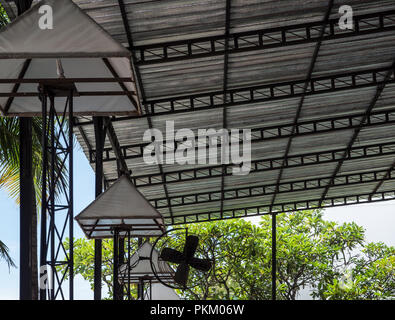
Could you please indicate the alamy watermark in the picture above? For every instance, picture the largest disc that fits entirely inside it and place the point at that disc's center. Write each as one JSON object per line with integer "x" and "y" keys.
{"x": 46, "y": 278}
{"x": 346, "y": 21}
{"x": 46, "y": 20}
{"x": 209, "y": 146}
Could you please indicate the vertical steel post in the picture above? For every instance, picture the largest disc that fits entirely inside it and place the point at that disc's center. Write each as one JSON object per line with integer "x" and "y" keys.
{"x": 71, "y": 199}
{"x": 43, "y": 228}
{"x": 98, "y": 267}
{"x": 57, "y": 144}
{"x": 51, "y": 207}
{"x": 121, "y": 261}
{"x": 274, "y": 256}
{"x": 26, "y": 208}
{"x": 116, "y": 265}
{"x": 26, "y": 195}
{"x": 99, "y": 138}
{"x": 140, "y": 286}
{"x": 128, "y": 266}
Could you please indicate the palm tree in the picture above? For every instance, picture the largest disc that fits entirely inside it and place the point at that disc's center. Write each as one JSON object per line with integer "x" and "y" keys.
{"x": 9, "y": 178}
{"x": 9, "y": 173}
{"x": 3, "y": 174}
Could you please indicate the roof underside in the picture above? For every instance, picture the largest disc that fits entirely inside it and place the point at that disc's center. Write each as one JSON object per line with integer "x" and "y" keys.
{"x": 321, "y": 105}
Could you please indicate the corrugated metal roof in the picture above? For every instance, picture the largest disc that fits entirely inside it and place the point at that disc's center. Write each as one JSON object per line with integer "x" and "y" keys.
{"x": 342, "y": 147}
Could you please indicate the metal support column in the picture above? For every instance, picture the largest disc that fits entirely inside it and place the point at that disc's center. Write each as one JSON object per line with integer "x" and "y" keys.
{"x": 99, "y": 138}
{"x": 26, "y": 195}
{"x": 26, "y": 208}
{"x": 57, "y": 192}
{"x": 121, "y": 261}
{"x": 116, "y": 265}
{"x": 140, "y": 286}
{"x": 274, "y": 256}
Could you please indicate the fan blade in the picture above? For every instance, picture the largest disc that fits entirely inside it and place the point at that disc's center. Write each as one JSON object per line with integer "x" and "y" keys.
{"x": 200, "y": 264}
{"x": 191, "y": 244}
{"x": 171, "y": 255}
{"x": 182, "y": 273}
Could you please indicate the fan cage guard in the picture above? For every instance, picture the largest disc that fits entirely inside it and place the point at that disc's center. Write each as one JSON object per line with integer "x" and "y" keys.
{"x": 161, "y": 263}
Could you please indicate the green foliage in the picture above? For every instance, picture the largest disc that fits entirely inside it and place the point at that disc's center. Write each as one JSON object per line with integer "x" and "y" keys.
{"x": 5, "y": 255}
{"x": 4, "y": 175}
{"x": 3, "y": 17}
{"x": 311, "y": 252}
{"x": 371, "y": 278}
{"x": 84, "y": 261}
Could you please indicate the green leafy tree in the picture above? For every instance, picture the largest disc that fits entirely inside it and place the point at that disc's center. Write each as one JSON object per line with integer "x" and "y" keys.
{"x": 311, "y": 253}
{"x": 3, "y": 17}
{"x": 10, "y": 172}
{"x": 84, "y": 260}
{"x": 372, "y": 276}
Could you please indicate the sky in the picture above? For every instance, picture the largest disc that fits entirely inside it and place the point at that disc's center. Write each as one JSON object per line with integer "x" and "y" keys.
{"x": 377, "y": 218}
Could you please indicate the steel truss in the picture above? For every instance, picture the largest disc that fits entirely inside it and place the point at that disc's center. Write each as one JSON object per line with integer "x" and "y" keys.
{"x": 231, "y": 43}
{"x": 307, "y": 82}
{"x": 56, "y": 260}
{"x": 262, "y": 39}
{"x": 268, "y": 133}
{"x": 262, "y": 165}
{"x": 252, "y": 211}
{"x": 283, "y": 187}
{"x": 263, "y": 93}
{"x": 379, "y": 90}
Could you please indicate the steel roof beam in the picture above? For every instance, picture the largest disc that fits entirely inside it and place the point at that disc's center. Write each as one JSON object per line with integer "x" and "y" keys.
{"x": 139, "y": 80}
{"x": 262, "y": 165}
{"x": 380, "y": 88}
{"x": 283, "y": 187}
{"x": 388, "y": 176}
{"x": 112, "y": 137}
{"x": 270, "y": 133}
{"x": 253, "y": 211}
{"x": 305, "y": 87}
{"x": 264, "y": 93}
{"x": 297, "y": 34}
{"x": 225, "y": 88}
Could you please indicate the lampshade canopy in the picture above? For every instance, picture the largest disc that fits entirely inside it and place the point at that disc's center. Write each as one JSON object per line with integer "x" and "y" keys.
{"x": 121, "y": 206}
{"x": 74, "y": 49}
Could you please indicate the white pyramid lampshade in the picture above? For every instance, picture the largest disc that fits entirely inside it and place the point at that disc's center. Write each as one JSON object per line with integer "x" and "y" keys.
{"x": 99, "y": 66}
{"x": 121, "y": 206}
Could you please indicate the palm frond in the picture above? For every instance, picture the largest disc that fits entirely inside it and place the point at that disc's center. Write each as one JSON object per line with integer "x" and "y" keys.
{"x": 5, "y": 255}
{"x": 9, "y": 159}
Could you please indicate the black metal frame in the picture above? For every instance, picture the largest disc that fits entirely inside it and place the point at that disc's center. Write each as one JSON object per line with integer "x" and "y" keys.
{"x": 57, "y": 203}
{"x": 261, "y": 39}
{"x": 27, "y": 203}
{"x": 229, "y": 43}
{"x": 270, "y": 133}
{"x": 380, "y": 88}
{"x": 337, "y": 82}
{"x": 27, "y": 200}
{"x": 315, "y": 32}
{"x": 99, "y": 139}
{"x": 122, "y": 284}
{"x": 259, "y": 210}
{"x": 269, "y": 164}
